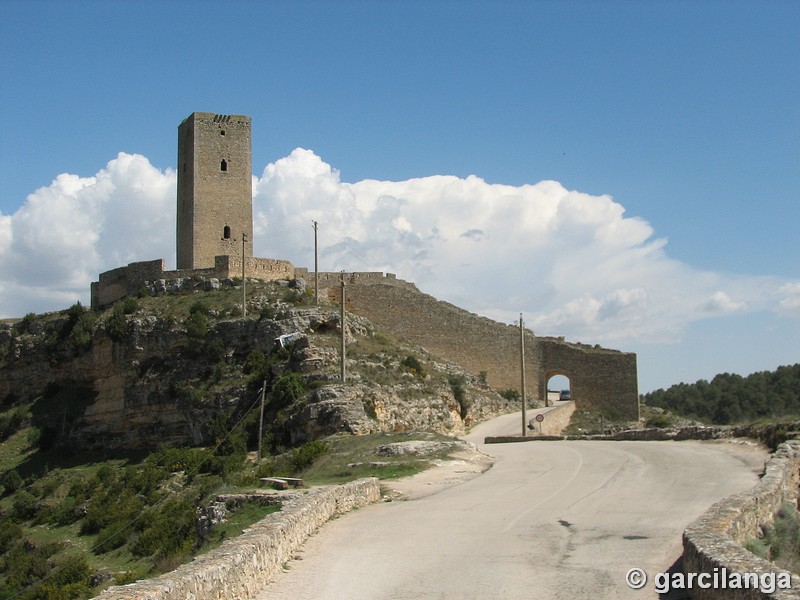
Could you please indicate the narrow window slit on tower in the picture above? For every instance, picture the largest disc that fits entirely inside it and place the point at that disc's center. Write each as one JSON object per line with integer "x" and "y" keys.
{"x": 223, "y": 165}
{"x": 226, "y": 233}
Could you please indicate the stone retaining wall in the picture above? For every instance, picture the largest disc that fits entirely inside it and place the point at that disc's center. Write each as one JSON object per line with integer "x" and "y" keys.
{"x": 715, "y": 540}
{"x": 555, "y": 420}
{"x": 242, "y": 566}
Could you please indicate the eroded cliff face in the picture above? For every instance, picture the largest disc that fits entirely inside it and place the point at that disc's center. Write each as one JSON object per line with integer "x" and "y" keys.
{"x": 159, "y": 385}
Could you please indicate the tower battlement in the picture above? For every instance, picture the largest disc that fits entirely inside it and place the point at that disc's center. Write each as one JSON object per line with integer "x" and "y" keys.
{"x": 215, "y": 189}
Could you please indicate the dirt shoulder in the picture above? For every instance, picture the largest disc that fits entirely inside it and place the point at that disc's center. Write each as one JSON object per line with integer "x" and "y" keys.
{"x": 464, "y": 464}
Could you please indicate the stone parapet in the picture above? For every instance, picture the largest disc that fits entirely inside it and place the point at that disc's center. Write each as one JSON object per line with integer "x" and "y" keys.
{"x": 555, "y": 419}
{"x": 714, "y": 543}
{"x": 242, "y": 566}
{"x": 128, "y": 281}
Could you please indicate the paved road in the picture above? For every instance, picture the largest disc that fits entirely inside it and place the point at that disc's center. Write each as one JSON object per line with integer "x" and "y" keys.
{"x": 550, "y": 520}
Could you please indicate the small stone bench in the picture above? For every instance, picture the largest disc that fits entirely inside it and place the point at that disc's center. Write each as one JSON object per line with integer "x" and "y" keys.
{"x": 282, "y": 483}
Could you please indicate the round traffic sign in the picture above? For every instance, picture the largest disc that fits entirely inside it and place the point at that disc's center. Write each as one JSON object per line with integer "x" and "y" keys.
{"x": 540, "y": 417}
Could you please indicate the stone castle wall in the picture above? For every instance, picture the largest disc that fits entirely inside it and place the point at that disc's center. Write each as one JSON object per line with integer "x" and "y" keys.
{"x": 600, "y": 378}
{"x": 127, "y": 281}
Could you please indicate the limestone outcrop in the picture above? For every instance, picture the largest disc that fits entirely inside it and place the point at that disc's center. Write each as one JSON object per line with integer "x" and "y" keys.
{"x": 158, "y": 384}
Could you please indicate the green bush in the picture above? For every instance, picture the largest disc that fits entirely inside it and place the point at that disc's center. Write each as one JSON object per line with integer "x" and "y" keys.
{"x": 460, "y": 393}
{"x": 412, "y": 365}
{"x": 288, "y": 389}
{"x": 25, "y": 565}
{"x": 10, "y": 533}
{"x": 66, "y": 512}
{"x": 197, "y": 322}
{"x": 179, "y": 459}
{"x": 215, "y": 350}
{"x": 129, "y": 305}
{"x": 25, "y": 505}
{"x": 171, "y": 532}
{"x": 510, "y": 394}
{"x": 79, "y": 339}
{"x": 117, "y": 326}
{"x": 25, "y": 324}
{"x": 9, "y": 424}
{"x": 256, "y": 363}
{"x": 67, "y": 581}
{"x": 659, "y": 421}
{"x": 304, "y": 456}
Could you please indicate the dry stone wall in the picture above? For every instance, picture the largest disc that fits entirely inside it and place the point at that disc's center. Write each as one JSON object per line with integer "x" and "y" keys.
{"x": 242, "y": 566}
{"x": 714, "y": 543}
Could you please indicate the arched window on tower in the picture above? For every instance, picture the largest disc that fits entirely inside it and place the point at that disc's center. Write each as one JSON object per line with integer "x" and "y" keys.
{"x": 226, "y": 233}
{"x": 223, "y": 166}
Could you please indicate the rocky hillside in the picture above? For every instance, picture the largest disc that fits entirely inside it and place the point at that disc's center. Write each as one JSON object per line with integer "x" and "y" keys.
{"x": 177, "y": 366}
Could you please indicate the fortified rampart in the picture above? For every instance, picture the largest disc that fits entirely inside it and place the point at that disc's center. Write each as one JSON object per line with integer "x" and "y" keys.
{"x": 600, "y": 378}
{"x": 127, "y": 281}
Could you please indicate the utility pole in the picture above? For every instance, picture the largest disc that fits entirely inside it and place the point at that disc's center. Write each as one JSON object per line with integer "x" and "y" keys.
{"x": 244, "y": 284}
{"x": 261, "y": 418}
{"x": 522, "y": 370}
{"x": 342, "y": 321}
{"x": 316, "y": 268}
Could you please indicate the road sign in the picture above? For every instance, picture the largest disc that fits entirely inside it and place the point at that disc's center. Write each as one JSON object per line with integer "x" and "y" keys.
{"x": 540, "y": 417}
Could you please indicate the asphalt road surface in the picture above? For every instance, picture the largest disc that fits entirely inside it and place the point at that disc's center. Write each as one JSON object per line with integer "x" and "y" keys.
{"x": 549, "y": 520}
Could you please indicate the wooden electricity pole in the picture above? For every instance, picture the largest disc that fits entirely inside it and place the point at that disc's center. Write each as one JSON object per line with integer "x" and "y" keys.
{"x": 244, "y": 284}
{"x": 341, "y": 320}
{"x": 316, "y": 268}
{"x": 261, "y": 418}
{"x": 522, "y": 371}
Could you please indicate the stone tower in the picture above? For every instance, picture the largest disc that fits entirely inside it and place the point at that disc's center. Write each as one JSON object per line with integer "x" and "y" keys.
{"x": 215, "y": 189}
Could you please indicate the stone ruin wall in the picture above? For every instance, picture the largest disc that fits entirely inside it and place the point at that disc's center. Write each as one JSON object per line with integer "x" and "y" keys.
{"x": 127, "y": 281}
{"x": 600, "y": 378}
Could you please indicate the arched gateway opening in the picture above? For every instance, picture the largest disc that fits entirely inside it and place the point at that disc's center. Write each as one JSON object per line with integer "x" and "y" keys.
{"x": 557, "y": 387}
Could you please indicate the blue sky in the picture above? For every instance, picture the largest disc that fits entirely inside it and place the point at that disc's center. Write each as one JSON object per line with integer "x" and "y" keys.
{"x": 672, "y": 130}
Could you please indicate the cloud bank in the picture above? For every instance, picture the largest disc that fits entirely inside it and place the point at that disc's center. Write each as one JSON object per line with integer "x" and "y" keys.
{"x": 573, "y": 263}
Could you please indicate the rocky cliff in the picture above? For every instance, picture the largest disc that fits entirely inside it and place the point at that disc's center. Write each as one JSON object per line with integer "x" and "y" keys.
{"x": 162, "y": 372}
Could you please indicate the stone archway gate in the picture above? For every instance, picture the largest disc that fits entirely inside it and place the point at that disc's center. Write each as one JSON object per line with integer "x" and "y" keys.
{"x": 599, "y": 377}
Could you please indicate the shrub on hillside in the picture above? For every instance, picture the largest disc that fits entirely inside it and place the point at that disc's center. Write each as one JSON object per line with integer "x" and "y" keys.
{"x": 305, "y": 456}
{"x": 197, "y": 322}
{"x": 288, "y": 389}
{"x": 460, "y": 393}
{"x": 117, "y": 326}
{"x": 25, "y": 505}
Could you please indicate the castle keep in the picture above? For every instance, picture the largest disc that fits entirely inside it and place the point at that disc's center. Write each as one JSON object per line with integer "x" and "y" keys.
{"x": 215, "y": 215}
{"x": 215, "y": 189}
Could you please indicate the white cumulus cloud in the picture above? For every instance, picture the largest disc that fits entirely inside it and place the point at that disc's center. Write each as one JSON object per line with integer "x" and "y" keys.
{"x": 574, "y": 263}
{"x": 65, "y": 234}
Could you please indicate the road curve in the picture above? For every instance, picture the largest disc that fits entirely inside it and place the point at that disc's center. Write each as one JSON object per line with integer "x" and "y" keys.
{"x": 550, "y": 520}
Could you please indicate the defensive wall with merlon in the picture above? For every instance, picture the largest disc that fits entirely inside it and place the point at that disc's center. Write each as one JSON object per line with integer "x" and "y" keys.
{"x": 600, "y": 378}
{"x": 127, "y": 281}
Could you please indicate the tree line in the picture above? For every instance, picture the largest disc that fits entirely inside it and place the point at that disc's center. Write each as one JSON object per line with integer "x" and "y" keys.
{"x": 730, "y": 398}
